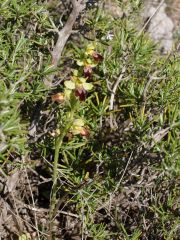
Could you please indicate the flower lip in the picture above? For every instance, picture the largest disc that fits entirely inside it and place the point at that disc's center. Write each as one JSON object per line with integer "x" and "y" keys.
{"x": 97, "y": 57}
{"x": 81, "y": 93}
{"x": 88, "y": 71}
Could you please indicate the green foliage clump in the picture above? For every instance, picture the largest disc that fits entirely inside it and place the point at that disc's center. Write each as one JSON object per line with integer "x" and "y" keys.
{"x": 109, "y": 124}
{"x": 11, "y": 130}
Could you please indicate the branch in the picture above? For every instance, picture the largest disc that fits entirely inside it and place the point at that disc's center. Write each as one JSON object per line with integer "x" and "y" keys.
{"x": 63, "y": 35}
{"x": 115, "y": 88}
{"x": 66, "y": 31}
{"x": 151, "y": 78}
{"x": 111, "y": 105}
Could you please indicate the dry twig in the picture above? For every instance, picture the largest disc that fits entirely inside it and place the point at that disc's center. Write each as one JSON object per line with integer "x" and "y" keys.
{"x": 63, "y": 35}
{"x": 151, "y": 78}
{"x": 111, "y": 105}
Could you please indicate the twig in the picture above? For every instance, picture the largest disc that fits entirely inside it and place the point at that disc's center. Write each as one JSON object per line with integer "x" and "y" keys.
{"x": 32, "y": 197}
{"x": 63, "y": 36}
{"x": 113, "y": 92}
{"x": 13, "y": 214}
{"x": 115, "y": 88}
{"x": 66, "y": 31}
{"x": 108, "y": 85}
{"x": 151, "y": 78}
{"x": 35, "y": 209}
{"x": 128, "y": 162}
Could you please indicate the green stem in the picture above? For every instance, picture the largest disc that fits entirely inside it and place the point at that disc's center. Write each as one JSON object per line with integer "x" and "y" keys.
{"x": 58, "y": 144}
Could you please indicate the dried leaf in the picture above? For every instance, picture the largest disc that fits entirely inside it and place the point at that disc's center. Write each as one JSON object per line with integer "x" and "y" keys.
{"x": 11, "y": 182}
{"x": 159, "y": 135}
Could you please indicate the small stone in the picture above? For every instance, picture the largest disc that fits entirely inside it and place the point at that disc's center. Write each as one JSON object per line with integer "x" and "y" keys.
{"x": 160, "y": 27}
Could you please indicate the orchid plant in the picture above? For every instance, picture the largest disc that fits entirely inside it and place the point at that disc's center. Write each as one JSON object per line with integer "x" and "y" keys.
{"x": 75, "y": 91}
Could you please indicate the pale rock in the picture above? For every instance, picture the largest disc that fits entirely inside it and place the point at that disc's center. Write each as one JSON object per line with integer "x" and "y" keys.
{"x": 160, "y": 27}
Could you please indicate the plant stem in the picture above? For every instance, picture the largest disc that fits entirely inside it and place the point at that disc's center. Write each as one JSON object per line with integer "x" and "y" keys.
{"x": 58, "y": 144}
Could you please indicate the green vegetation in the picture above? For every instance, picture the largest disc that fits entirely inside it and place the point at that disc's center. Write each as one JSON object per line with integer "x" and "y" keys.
{"x": 97, "y": 151}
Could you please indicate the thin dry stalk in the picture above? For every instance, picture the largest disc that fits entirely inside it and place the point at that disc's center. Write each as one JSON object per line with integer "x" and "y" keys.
{"x": 63, "y": 35}
{"x": 27, "y": 223}
{"x": 149, "y": 19}
{"x": 151, "y": 78}
{"x": 111, "y": 105}
{"x": 33, "y": 202}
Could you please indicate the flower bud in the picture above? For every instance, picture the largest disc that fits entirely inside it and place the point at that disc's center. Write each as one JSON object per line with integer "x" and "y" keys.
{"x": 59, "y": 97}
